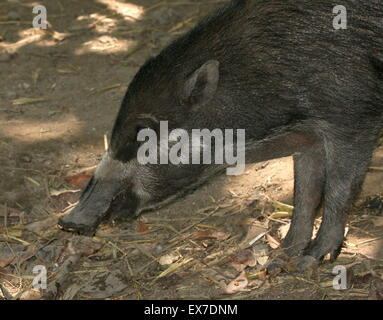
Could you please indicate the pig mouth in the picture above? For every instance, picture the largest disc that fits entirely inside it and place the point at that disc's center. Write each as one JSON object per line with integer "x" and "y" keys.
{"x": 77, "y": 222}
{"x": 92, "y": 209}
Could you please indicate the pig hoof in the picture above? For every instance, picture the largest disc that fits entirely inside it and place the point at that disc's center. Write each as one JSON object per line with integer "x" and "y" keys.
{"x": 81, "y": 229}
{"x": 307, "y": 262}
{"x": 335, "y": 253}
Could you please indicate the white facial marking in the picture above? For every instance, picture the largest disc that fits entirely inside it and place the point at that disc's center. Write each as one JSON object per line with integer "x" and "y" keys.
{"x": 116, "y": 171}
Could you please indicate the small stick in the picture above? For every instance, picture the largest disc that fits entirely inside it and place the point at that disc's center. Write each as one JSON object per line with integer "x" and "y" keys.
{"x": 102, "y": 90}
{"x": 258, "y": 237}
{"x": 376, "y": 168}
{"x": 5, "y": 216}
{"x": 369, "y": 240}
{"x": 106, "y": 146}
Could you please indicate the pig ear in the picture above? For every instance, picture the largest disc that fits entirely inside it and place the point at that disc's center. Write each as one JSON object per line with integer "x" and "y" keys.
{"x": 201, "y": 86}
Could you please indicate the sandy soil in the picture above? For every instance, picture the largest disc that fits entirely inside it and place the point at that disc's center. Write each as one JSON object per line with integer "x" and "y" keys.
{"x": 79, "y": 69}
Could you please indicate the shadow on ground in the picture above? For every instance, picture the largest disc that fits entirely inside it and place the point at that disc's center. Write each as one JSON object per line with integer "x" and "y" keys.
{"x": 60, "y": 91}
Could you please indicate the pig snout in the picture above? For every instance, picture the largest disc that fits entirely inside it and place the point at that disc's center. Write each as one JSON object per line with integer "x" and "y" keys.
{"x": 91, "y": 210}
{"x": 96, "y": 199}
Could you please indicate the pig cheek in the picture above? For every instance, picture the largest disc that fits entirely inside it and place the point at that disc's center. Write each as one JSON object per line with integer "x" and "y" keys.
{"x": 143, "y": 184}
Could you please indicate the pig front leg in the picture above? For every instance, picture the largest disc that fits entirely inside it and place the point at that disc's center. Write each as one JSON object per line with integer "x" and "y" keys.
{"x": 347, "y": 161}
{"x": 309, "y": 178}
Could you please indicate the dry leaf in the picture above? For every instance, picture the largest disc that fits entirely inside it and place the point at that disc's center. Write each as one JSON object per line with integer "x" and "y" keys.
{"x": 243, "y": 259}
{"x": 262, "y": 260}
{"x": 255, "y": 230}
{"x": 169, "y": 259}
{"x": 282, "y": 230}
{"x": 272, "y": 242}
{"x": 78, "y": 180}
{"x": 237, "y": 285}
{"x": 81, "y": 179}
{"x": 142, "y": 227}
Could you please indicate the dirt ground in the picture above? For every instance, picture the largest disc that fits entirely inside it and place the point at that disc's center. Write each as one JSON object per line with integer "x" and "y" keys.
{"x": 60, "y": 90}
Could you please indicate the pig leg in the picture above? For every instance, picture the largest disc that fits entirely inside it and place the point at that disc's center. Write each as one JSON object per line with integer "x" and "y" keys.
{"x": 347, "y": 162}
{"x": 309, "y": 177}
